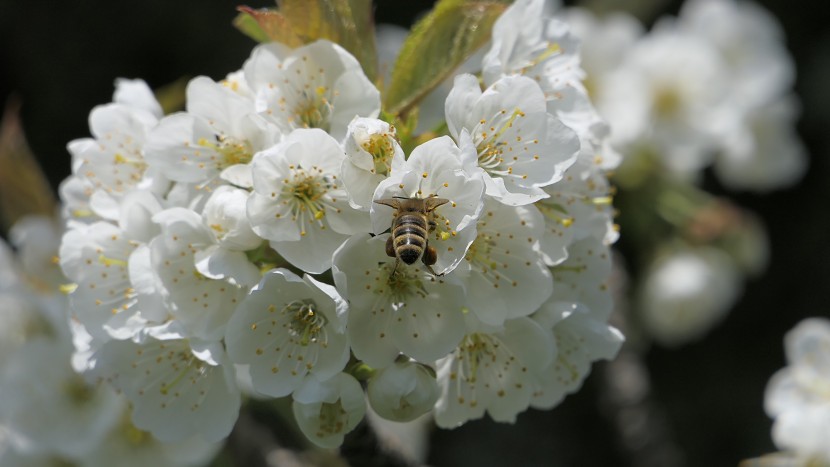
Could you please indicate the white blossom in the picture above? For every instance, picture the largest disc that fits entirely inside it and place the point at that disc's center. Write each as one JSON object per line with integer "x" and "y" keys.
{"x": 581, "y": 337}
{"x": 200, "y": 290}
{"x": 669, "y": 96}
{"x": 503, "y": 270}
{"x": 327, "y": 409}
{"x": 299, "y": 203}
{"x": 750, "y": 40}
{"x": 392, "y": 310}
{"x": 519, "y": 147}
{"x": 174, "y": 393}
{"x": 48, "y": 407}
{"x": 527, "y": 42}
{"x": 372, "y": 152}
{"x": 319, "y": 85}
{"x": 288, "y": 327}
{"x": 763, "y": 151}
{"x": 402, "y": 391}
{"x": 112, "y": 162}
{"x": 576, "y": 315}
{"x": 579, "y": 206}
{"x": 218, "y": 135}
{"x": 493, "y": 369}
{"x": 98, "y": 258}
{"x": 128, "y": 446}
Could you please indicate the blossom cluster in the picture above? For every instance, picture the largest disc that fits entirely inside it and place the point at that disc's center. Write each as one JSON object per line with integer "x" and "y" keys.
{"x": 708, "y": 89}
{"x": 50, "y": 415}
{"x": 238, "y": 246}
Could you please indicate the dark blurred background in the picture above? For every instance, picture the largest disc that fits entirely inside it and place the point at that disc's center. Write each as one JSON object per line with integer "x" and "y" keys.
{"x": 61, "y": 59}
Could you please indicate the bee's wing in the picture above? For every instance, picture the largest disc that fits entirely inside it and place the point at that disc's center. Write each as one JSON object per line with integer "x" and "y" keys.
{"x": 432, "y": 203}
{"x": 391, "y": 202}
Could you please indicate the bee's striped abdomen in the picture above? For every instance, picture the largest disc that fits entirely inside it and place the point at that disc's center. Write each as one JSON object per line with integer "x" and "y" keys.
{"x": 409, "y": 232}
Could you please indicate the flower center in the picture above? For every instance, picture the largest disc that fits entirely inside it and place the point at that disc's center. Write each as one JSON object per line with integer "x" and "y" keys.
{"x": 78, "y": 390}
{"x": 305, "y": 193}
{"x": 314, "y": 109}
{"x": 231, "y": 151}
{"x": 474, "y": 352}
{"x": 382, "y": 149}
{"x": 134, "y": 436}
{"x": 667, "y": 101}
{"x": 332, "y": 419}
{"x": 491, "y": 144}
{"x": 305, "y": 325}
{"x": 403, "y": 283}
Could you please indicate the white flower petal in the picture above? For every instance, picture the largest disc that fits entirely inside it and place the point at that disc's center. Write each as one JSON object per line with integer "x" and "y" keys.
{"x": 327, "y": 410}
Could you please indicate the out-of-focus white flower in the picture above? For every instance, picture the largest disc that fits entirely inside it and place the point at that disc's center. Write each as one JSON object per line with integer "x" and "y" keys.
{"x": 798, "y": 396}
{"x": 319, "y": 85}
{"x": 519, "y": 147}
{"x": 760, "y": 149}
{"x": 668, "y": 95}
{"x": 286, "y": 328}
{"x": 409, "y": 311}
{"x": 750, "y": 40}
{"x": 402, "y": 391}
{"x": 435, "y": 169}
{"x": 493, "y": 369}
{"x": 47, "y": 407}
{"x": 687, "y": 292}
{"x": 174, "y": 393}
{"x": 299, "y": 202}
{"x": 372, "y": 152}
{"x": 604, "y": 42}
{"x": 128, "y": 446}
{"x": 36, "y": 239}
{"x": 327, "y": 410}
{"x": 763, "y": 150}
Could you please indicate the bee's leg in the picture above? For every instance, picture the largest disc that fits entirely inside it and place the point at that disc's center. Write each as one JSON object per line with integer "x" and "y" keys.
{"x": 429, "y": 258}
{"x": 390, "y": 248}
{"x": 395, "y": 268}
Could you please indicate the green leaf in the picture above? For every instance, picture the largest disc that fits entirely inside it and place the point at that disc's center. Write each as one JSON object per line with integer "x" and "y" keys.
{"x": 346, "y": 22}
{"x": 438, "y": 44}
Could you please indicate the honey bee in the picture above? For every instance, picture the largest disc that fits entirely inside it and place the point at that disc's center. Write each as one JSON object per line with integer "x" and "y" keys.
{"x": 410, "y": 230}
